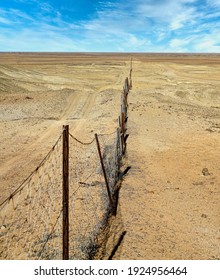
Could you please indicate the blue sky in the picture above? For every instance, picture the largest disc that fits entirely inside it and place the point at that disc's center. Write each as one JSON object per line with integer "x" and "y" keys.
{"x": 110, "y": 26}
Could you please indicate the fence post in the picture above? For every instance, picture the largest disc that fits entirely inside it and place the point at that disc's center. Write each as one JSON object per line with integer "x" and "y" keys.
{"x": 127, "y": 85}
{"x": 119, "y": 145}
{"x": 65, "y": 192}
{"x": 104, "y": 173}
{"x": 130, "y": 86}
{"x": 125, "y": 97}
{"x": 123, "y": 132}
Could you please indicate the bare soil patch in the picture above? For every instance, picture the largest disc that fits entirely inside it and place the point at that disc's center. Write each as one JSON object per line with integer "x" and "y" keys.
{"x": 169, "y": 200}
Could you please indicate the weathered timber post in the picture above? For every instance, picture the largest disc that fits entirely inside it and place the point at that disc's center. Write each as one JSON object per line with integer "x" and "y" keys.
{"x": 130, "y": 85}
{"x": 125, "y": 98}
{"x": 123, "y": 132}
{"x": 120, "y": 134}
{"x": 123, "y": 105}
{"x": 65, "y": 192}
{"x": 127, "y": 85}
{"x": 104, "y": 173}
{"x": 119, "y": 147}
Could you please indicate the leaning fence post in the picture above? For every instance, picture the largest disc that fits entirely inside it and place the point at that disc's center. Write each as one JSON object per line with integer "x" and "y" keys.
{"x": 65, "y": 192}
{"x": 104, "y": 173}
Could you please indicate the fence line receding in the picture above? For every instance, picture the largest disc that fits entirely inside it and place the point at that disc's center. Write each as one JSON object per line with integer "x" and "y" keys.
{"x": 60, "y": 209}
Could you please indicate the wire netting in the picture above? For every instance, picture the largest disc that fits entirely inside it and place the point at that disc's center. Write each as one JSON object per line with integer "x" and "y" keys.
{"x": 30, "y": 219}
{"x": 88, "y": 194}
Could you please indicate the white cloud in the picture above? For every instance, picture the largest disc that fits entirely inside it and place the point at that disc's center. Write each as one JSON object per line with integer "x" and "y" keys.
{"x": 46, "y": 7}
{"x": 176, "y": 43}
{"x": 180, "y": 45}
{"x": 179, "y": 21}
{"x": 4, "y": 20}
{"x": 30, "y": 40}
{"x": 151, "y": 18}
{"x": 14, "y": 16}
{"x": 141, "y": 25}
{"x": 170, "y": 12}
{"x": 133, "y": 43}
{"x": 19, "y": 15}
{"x": 158, "y": 10}
{"x": 207, "y": 46}
{"x": 214, "y": 3}
{"x": 208, "y": 43}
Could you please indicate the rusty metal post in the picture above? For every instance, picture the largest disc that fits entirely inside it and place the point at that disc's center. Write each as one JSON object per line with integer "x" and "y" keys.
{"x": 103, "y": 170}
{"x": 65, "y": 192}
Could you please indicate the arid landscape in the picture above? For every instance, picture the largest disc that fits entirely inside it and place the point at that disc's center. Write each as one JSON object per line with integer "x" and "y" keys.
{"x": 169, "y": 200}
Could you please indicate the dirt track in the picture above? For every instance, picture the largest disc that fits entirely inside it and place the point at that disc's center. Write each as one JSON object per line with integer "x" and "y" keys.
{"x": 36, "y": 100}
{"x": 167, "y": 206}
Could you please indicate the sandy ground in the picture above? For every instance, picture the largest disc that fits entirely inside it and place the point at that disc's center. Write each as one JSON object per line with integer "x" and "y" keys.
{"x": 169, "y": 200}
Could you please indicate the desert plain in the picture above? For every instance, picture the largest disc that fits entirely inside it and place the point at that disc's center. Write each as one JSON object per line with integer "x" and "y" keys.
{"x": 168, "y": 204}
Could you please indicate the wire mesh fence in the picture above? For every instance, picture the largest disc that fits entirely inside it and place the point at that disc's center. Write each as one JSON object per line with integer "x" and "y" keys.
{"x": 88, "y": 199}
{"x": 31, "y": 219}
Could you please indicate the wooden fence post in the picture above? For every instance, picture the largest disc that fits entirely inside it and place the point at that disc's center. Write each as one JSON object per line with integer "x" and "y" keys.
{"x": 130, "y": 85}
{"x": 65, "y": 192}
{"x": 117, "y": 157}
{"x": 104, "y": 173}
{"x": 125, "y": 97}
{"x": 123, "y": 131}
{"x": 127, "y": 85}
{"x": 120, "y": 148}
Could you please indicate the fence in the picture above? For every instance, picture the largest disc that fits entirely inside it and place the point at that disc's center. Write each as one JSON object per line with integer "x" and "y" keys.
{"x": 59, "y": 211}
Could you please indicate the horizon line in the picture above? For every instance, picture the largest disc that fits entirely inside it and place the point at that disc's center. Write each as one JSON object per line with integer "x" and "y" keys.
{"x": 107, "y": 52}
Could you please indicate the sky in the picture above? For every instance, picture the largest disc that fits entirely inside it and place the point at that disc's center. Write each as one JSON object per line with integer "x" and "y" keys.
{"x": 110, "y": 26}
